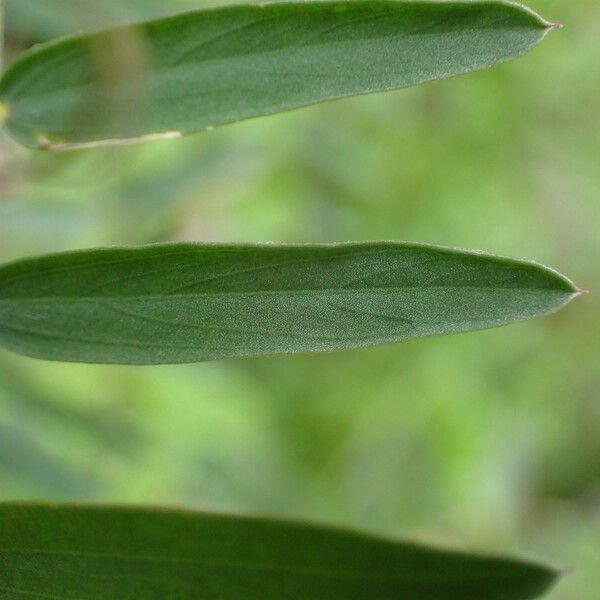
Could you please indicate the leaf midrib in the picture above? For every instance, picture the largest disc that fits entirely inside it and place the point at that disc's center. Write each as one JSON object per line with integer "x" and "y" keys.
{"x": 292, "y": 292}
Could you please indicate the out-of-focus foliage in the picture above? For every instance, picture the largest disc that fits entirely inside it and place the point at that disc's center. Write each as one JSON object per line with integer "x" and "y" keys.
{"x": 145, "y": 554}
{"x": 489, "y": 440}
{"x": 47, "y": 19}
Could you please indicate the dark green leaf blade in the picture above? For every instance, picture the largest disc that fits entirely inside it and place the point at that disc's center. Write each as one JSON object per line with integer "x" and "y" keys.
{"x": 104, "y": 553}
{"x": 175, "y": 303}
{"x": 202, "y": 69}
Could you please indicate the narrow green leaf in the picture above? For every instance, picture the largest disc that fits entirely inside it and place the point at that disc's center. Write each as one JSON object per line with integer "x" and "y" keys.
{"x": 178, "y": 303}
{"x": 198, "y": 70}
{"x": 96, "y": 553}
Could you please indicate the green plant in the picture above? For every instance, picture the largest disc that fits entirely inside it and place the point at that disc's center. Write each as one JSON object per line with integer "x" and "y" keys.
{"x": 179, "y": 303}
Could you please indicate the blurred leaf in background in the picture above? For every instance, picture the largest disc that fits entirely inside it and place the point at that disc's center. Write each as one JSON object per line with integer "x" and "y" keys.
{"x": 150, "y": 554}
{"x": 488, "y": 440}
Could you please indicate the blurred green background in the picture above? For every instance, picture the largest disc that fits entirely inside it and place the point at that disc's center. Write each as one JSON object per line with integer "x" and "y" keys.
{"x": 486, "y": 441}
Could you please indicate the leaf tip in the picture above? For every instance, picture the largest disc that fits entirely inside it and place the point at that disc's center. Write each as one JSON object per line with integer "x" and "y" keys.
{"x": 564, "y": 571}
{"x": 44, "y": 142}
{"x": 553, "y": 26}
{"x": 556, "y": 574}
